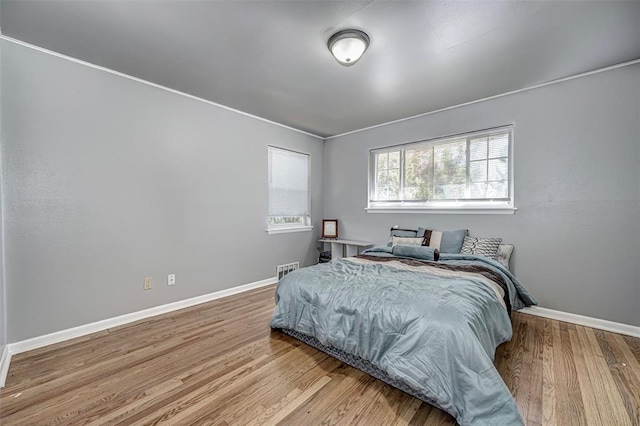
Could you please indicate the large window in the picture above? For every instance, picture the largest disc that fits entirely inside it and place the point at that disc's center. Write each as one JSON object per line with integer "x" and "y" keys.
{"x": 289, "y": 205}
{"x": 469, "y": 171}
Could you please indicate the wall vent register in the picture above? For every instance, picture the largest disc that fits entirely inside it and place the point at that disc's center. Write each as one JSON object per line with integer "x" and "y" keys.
{"x": 283, "y": 270}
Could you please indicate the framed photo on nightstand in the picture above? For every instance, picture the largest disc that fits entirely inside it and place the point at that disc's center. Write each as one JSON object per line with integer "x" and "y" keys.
{"x": 330, "y": 228}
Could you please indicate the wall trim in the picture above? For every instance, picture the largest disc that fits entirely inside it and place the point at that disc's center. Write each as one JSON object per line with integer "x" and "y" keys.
{"x": 83, "y": 330}
{"x": 600, "y": 324}
{"x": 326, "y": 138}
{"x": 5, "y": 360}
{"x": 149, "y": 83}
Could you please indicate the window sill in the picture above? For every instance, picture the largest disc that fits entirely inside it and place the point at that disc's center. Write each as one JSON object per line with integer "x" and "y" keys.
{"x": 288, "y": 229}
{"x": 443, "y": 210}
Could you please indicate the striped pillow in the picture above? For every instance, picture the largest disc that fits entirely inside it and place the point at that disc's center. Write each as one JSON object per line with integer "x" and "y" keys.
{"x": 487, "y": 247}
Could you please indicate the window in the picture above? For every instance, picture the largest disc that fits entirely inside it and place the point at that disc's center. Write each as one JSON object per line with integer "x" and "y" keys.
{"x": 289, "y": 206}
{"x": 465, "y": 172}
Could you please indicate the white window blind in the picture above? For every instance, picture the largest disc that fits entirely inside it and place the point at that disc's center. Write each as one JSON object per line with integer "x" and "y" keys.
{"x": 467, "y": 171}
{"x": 289, "y": 201}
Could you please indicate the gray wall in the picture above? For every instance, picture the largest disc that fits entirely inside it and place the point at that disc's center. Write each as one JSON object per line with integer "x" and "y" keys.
{"x": 108, "y": 181}
{"x": 577, "y": 189}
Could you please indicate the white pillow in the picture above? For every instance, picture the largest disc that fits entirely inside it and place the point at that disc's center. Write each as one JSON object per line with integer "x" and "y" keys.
{"x": 406, "y": 241}
{"x": 504, "y": 254}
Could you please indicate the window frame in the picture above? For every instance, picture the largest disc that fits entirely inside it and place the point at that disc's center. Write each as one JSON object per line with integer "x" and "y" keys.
{"x": 288, "y": 227}
{"x": 458, "y": 206}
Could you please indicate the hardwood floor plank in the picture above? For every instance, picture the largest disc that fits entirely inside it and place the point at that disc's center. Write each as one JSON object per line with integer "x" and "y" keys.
{"x": 439, "y": 417}
{"x": 345, "y": 381}
{"x": 360, "y": 402}
{"x": 534, "y": 412}
{"x": 325, "y": 368}
{"x": 212, "y": 369}
{"x": 394, "y": 407}
{"x": 406, "y": 410}
{"x": 218, "y": 363}
{"x": 626, "y": 382}
{"x": 107, "y": 348}
{"x": 285, "y": 405}
{"x": 518, "y": 364}
{"x": 120, "y": 373}
{"x": 569, "y": 399}
{"x": 338, "y": 413}
{"x": 137, "y": 382}
{"x": 592, "y": 413}
{"x": 625, "y": 344}
{"x": 633, "y": 344}
{"x": 218, "y": 392}
{"x": 300, "y": 401}
{"x": 269, "y": 389}
{"x": 606, "y": 395}
{"x": 548, "y": 379}
{"x": 421, "y": 416}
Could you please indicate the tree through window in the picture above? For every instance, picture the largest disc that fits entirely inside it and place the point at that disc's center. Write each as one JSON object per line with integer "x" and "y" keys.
{"x": 473, "y": 169}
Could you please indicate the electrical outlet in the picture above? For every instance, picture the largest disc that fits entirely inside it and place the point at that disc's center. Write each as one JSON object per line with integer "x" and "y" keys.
{"x": 148, "y": 283}
{"x": 171, "y": 279}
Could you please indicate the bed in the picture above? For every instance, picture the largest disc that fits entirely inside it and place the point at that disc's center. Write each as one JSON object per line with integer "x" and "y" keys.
{"x": 425, "y": 322}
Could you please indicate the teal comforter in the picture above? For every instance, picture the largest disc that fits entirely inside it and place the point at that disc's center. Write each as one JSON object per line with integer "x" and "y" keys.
{"x": 425, "y": 324}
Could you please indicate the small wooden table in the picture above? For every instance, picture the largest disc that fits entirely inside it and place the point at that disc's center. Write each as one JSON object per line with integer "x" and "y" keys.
{"x": 345, "y": 248}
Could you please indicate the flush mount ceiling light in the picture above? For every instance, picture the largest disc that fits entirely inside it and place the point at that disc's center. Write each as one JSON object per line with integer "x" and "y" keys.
{"x": 347, "y": 46}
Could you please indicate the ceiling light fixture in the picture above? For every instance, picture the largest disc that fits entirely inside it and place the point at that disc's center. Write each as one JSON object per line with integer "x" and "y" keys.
{"x": 347, "y": 46}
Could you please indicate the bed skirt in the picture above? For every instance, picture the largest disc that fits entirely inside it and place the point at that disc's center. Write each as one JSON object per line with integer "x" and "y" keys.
{"x": 359, "y": 363}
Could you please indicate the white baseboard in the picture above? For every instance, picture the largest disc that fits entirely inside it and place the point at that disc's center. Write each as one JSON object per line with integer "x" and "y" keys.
{"x": 5, "y": 360}
{"x": 600, "y": 324}
{"x": 71, "y": 333}
{"x": 83, "y": 330}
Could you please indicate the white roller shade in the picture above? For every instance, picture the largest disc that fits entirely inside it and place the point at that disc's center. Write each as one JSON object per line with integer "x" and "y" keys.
{"x": 288, "y": 183}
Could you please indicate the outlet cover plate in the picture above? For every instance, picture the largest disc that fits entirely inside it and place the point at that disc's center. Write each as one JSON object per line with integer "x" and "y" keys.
{"x": 171, "y": 279}
{"x": 148, "y": 283}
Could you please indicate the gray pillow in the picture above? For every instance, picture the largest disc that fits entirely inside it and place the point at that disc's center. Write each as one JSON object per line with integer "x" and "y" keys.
{"x": 416, "y": 252}
{"x": 445, "y": 241}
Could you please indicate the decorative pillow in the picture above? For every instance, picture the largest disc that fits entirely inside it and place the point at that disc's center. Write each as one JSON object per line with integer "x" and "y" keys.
{"x": 416, "y": 252}
{"x": 487, "y": 247}
{"x": 395, "y": 232}
{"x": 504, "y": 254}
{"x": 407, "y": 241}
{"x": 445, "y": 241}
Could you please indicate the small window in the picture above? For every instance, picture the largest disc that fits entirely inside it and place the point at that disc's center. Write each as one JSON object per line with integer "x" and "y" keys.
{"x": 289, "y": 201}
{"x": 464, "y": 172}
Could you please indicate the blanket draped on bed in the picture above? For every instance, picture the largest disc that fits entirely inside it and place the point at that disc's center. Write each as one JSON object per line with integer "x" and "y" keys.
{"x": 426, "y": 324}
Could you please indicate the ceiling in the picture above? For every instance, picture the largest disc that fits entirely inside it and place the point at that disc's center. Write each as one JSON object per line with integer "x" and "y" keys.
{"x": 270, "y": 58}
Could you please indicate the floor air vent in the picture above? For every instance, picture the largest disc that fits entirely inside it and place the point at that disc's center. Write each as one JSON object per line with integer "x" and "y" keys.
{"x": 283, "y": 270}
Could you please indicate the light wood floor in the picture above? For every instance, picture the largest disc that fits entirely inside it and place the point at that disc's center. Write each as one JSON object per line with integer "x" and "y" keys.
{"x": 219, "y": 363}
